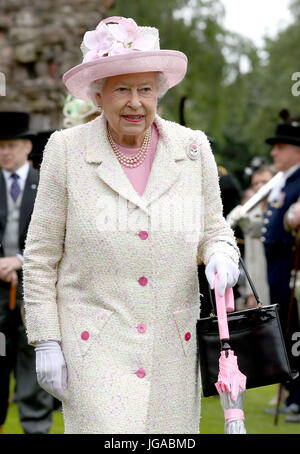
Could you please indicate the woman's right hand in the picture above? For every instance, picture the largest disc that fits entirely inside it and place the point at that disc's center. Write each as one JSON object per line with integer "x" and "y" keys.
{"x": 51, "y": 369}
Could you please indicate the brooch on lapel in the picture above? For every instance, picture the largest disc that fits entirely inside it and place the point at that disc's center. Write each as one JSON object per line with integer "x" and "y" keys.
{"x": 192, "y": 150}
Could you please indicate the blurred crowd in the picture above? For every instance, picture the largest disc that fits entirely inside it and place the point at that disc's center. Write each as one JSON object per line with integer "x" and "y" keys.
{"x": 265, "y": 216}
{"x": 268, "y": 216}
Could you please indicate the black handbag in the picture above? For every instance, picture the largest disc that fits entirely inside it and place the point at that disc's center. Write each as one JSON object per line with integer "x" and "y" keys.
{"x": 255, "y": 337}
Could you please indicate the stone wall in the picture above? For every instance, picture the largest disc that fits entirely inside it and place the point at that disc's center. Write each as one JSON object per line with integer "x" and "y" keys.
{"x": 39, "y": 41}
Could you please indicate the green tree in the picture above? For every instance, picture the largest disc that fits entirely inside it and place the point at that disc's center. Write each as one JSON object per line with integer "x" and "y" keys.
{"x": 239, "y": 109}
{"x": 199, "y": 39}
{"x": 254, "y": 99}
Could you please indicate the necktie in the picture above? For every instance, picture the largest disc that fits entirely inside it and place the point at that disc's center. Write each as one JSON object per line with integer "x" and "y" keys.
{"x": 15, "y": 187}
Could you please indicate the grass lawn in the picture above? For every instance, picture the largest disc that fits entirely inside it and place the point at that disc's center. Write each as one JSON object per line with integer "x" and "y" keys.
{"x": 212, "y": 421}
{"x": 256, "y": 421}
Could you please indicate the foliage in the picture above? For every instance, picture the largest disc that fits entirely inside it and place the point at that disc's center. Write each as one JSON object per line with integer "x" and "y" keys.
{"x": 238, "y": 109}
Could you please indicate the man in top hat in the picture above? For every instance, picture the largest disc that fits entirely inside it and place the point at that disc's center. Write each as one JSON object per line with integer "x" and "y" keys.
{"x": 279, "y": 244}
{"x": 18, "y": 187}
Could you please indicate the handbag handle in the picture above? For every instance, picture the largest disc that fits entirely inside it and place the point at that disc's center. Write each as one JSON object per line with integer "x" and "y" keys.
{"x": 258, "y": 305}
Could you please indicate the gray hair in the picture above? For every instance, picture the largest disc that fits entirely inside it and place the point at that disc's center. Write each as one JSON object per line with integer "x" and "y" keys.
{"x": 97, "y": 87}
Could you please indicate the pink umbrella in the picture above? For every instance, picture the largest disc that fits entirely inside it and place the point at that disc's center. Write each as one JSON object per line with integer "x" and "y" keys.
{"x": 231, "y": 384}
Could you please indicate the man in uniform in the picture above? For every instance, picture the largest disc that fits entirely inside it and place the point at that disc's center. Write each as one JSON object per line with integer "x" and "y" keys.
{"x": 18, "y": 187}
{"x": 279, "y": 244}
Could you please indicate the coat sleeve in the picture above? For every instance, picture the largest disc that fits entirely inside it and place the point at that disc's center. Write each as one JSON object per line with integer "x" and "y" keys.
{"x": 218, "y": 236}
{"x": 44, "y": 245}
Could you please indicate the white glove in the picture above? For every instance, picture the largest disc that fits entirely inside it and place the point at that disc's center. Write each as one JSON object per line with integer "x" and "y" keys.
{"x": 51, "y": 369}
{"x": 227, "y": 270}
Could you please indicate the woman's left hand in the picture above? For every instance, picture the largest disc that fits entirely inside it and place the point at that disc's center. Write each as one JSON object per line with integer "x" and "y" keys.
{"x": 228, "y": 272}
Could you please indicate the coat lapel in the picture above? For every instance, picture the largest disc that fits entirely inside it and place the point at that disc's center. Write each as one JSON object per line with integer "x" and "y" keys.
{"x": 167, "y": 164}
{"x": 165, "y": 168}
{"x": 99, "y": 151}
{"x": 3, "y": 204}
{"x": 27, "y": 202}
{"x": 28, "y": 199}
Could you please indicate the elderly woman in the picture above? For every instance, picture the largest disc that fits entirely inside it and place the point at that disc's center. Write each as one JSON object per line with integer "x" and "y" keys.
{"x": 125, "y": 206}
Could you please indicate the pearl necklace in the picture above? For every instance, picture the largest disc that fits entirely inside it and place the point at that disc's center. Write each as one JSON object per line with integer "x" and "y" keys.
{"x": 133, "y": 161}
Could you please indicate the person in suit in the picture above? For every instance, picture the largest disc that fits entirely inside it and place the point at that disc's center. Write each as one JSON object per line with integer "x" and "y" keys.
{"x": 112, "y": 318}
{"x": 279, "y": 244}
{"x": 18, "y": 188}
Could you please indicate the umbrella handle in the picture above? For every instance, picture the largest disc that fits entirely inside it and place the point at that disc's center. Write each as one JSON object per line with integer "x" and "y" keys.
{"x": 12, "y": 296}
{"x": 229, "y": 300}
{"x": 221, "y": 312}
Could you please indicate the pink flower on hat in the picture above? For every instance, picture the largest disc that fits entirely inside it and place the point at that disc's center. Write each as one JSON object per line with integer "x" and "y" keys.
{"x": 98, "y": 42}
{"x": 116, "y": 39}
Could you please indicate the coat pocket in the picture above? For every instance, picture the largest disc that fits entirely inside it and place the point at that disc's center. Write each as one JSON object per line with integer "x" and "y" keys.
{"x": 186, "y": 321}
{"x": 87, "y": 323}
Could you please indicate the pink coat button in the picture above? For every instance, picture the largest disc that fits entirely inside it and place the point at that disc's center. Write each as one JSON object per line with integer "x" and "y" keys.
{"x": 85, "y": 335}
{"x": 143, "y": 281}
{"x": 187, "y": 336}
{"x": 141, "y": 328}
{"x": 143, "y": 235}
{"x": 140, "y": 373}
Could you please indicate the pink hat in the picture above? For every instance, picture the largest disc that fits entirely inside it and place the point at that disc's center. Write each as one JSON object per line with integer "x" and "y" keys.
{"x": 118, "y": 46}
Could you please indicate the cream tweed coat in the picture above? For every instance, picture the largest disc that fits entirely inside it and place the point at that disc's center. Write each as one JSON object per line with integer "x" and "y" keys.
{"x": 129, "y": 343}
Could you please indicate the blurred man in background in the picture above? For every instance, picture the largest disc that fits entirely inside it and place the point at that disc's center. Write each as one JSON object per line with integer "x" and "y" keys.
{"x": 279, "y": 244}
{"x": 18, "y": 186}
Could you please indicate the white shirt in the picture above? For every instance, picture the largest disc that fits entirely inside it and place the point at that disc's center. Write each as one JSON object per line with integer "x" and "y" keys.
{"x": 23, "y": 173}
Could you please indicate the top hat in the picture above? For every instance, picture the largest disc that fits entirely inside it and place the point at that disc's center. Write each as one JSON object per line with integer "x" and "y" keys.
{"x": 287, "y": 132}
{"x": 118, "y": 46}
{"x": 15, "y": 125}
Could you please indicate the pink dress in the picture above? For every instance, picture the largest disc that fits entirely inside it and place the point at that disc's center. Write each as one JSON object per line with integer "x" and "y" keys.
{"x": 138, "y": 176}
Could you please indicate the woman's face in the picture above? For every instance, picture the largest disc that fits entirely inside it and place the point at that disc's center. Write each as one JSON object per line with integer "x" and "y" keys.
{"x": 260, "y": 179}
{"x": 129, "y": 102}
